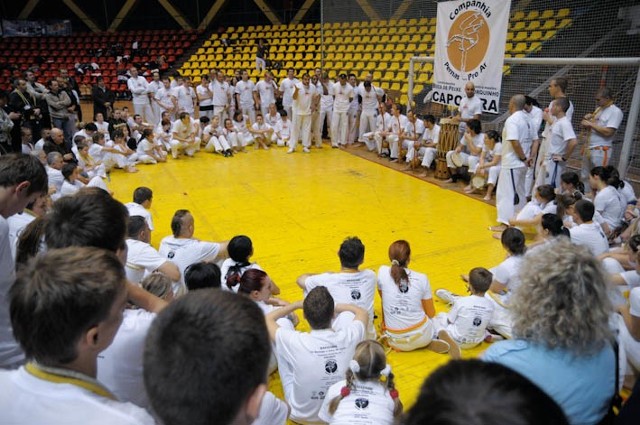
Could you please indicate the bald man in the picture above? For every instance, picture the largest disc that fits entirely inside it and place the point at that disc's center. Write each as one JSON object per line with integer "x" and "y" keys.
{"x": 470, "y": 107}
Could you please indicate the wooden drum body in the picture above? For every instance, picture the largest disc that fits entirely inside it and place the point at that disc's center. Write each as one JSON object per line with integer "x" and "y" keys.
{"x": 447, "y": 141}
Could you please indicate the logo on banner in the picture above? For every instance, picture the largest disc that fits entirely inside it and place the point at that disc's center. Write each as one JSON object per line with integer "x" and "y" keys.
{"x": 468, "y": 41}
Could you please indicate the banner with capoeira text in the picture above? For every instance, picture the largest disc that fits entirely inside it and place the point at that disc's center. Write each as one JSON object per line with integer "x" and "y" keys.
{"x": 470, "y": 40}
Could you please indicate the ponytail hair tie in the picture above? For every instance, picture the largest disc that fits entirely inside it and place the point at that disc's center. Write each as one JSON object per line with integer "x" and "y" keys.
{"x": 395, "y": 263}
{"x": 354, "y": 366}
{"x": 386, "y": 371}
{"x": 393, "y": 393}
{"x": 345, "y": 391}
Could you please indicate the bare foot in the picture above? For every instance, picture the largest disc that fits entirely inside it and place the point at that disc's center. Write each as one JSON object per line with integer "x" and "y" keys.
{"x": 454, "y": 349}
{"x": 464, "y": 277}
{"x": 499, "y": 228}
{"x": 487, "y": 197}
{"x": 448, "y": 181}
{"x": 439, "y": 346}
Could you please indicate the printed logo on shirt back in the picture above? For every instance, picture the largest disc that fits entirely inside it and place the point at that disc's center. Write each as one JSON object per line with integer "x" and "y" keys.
{"x": 355, "y": 294}
{"x": 330, "y": 367}
{"x": 362, "y": 403}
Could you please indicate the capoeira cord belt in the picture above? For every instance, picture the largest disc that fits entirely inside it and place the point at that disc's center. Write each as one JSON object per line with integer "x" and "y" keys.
{"x": 65, "y": 376}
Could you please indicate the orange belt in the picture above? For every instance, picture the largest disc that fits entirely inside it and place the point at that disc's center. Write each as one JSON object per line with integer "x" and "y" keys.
{"x": 410, "y": 328}
{"x": 605, "y": 149}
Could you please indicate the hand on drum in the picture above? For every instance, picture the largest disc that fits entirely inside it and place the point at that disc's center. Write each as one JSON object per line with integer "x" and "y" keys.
{"x": 480, "y": 171}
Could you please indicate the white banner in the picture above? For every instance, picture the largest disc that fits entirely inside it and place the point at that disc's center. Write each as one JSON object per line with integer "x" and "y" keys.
{"x": 470, "y": 40}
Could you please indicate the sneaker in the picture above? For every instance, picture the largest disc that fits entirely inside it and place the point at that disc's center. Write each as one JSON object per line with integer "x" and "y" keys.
{"x": 446, "y": 295}
{"x": 290, "y": 151}
{"x": 305, "y": 150}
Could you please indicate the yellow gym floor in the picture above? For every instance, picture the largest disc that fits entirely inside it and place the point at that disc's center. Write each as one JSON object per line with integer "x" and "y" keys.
{"x": 298, "y": 208}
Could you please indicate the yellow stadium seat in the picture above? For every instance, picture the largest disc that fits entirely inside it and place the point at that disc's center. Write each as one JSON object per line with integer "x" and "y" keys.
{"x": 207, "y": 43}
{"x": 533, "y": 14}
{"x": 423, "y": 22}
{"x": 547, "y": 14}
{"x": 517, "y": 16}
{"x": 522, "y": 35}
{"x": 535, "y": 36}
{"x": 549, "y": 24}
{"x": 518, "y": 26}
{"x": 535, "y": 46}
{"x": 565, "y": 23}
{"x": 508, "y": 47}
{"x": 509, "y": 35}
{"x": 563, "y": 13}
{"x": 549, "y": 34}
{"x": 533, "y": 25}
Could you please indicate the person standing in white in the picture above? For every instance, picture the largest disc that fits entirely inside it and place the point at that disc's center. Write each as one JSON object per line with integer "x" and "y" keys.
{"x": 342, "y": 94}
{"x": 244, "y": 96}
{"x": 470, "y": 107}
{"x": 602, "y": 126}
{"x": 286, "y": 90}
{"x": 369, "y": 99}
{"x": 139, "y": 88}
{"x": 563, "y": 142}
{"x": 304, "y": 95}
{"x": 220, "y": 99}
{"x": 165, "y": 99}
{"x": 510, "y": 193}
{"x": 205, "y": 97}
{"x": 264, "y": 92}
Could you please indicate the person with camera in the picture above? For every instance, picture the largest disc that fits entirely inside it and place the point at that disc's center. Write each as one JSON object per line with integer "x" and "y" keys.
{"x": 23, "y": 103}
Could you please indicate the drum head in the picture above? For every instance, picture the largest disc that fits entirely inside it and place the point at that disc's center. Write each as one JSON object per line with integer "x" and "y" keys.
{"x": 478, "y": 182}
{"x": 456, "y": 159}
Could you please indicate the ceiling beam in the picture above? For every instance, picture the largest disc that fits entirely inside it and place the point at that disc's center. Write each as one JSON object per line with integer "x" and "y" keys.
{"x": 215, "y": 8}
{"x": 369, "y": 10}
{"x": 124, "y": 11}
{"x": 83, "y": 16}
{"x": 302, "y": 11}
{"x": 402, "y": 9}
{"x": 28, "y": 8}
{"x": 175, "y": 14}
{"x": 269, "y": 13}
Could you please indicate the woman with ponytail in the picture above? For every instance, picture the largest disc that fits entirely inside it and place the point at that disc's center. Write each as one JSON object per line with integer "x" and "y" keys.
{"x": 407, "y": 306}
{"x": 368, "y": 393}
{"x": 240, "y": 249}
{"x": 607, "y": 200}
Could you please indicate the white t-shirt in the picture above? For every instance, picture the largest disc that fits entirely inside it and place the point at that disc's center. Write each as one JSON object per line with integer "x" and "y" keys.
{"x": 144, "y": 146}
{"x": 632, "y": 279}
{"x": 561, "y": 133}
{"x": 267, "y": 91}
{"x": 202, "y": 92}
{"x": 469, "y": 318}
{"x": 55, "y": 178}
{"x": 627, "y": 194}
{"x": 137, "y": 209}
{"x": 516, "y": 127}
{"x": 414, "y": 130}
{"x": 348, "y": 288}
{"x": 182, "y": 130}
{"x": 273, "y": 411}
{"x": 286, "y": 87}
{"x": 220, "y": 93}
{"x": 342, "y": 96}
{"x": 283, "y": 129}
{"x": 165, "y": 98}
{"x": 368, "y": 403}
{"x": 591, "y": 236}
{"x": 470, "y": 107}
{"x": 489, "y": 154}
{"x": 402, "y": 306}
{"x": 10, "y": 352}
{"x": 139, "y": 90}
{"x": 431, "y": 134}
{"x": 69, "y": 188}
{"x": 244, "y": 90}
{"x": 309, "y": 363}
{"x": 398, "y": 123}
{"x": 272, "y": 120}
{"x": 120, "y": 365}
{"x": 383, "y": 122}
{"x": 185, "y": 252}
{"x": 25, "y": 399}
{"x": 142, "y": 259}
{"x": 478, "y": 142}
{"x": 17, "y": 224}
{"x": 610, "y": 117}
{"x": 507, "y": 273}
{"x": 302, "y": 105}
{"x": 369, "y": 99}
{"x": 224, "y": 271}
{"x": 610, "y": 206}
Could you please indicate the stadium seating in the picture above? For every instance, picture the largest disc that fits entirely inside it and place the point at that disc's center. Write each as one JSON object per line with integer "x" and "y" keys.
{"x": 383, "y": 47}
{"x": 49, "y": 54}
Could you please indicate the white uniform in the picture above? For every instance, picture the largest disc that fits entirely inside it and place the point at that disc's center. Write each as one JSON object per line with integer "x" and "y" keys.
{"x": 340, "y": 117}
{"x": 17, "y": 224}
{"x": 309, "y": 363}
{"x": 591, "y": 236}
{"x": 205, "y": 100}
{"x": 120, "y": 365}
{"x": 467, "y": 320}
{"x": 184, "y": 131}
{"x": 267, "y": 92}
{"x": 273, "y": 411}
{"x": 383, "y": 123}
{"x": 561, "y": 133}
{"x": 136, "y": 209}
{"x": 369, "y": 110}
{"x": 143, "y": 147}
{"x": 286, "y": 88}
{"x": 69, "y": 188}
{"x": 599, "y": 150}
{"x": 468, "y": 159}
{"x": 506, "y": 273}
{"x": 368, "y": 403}
{"x": 244, "y": 137}
{"x": 139, "y": 88}
{"x": 55, "y": 179}
{"x": 494, "y": 171}
{"x": 165, "y": 97}
{"x": 273, "y": 120}
{"x": 326, "y": 107}
{"x": 413, "y": 130}
{"x": 244, "y": 90}
{"x": 224, "y": 271}
{"x": 10, "y": 352}
{"x": 217, "y": 141}
{"x": 154, "y": 87}
{"x": 26, "y": 399}
{"x": 103, "y": 127}
{"x": 428, "y": 154}
{"x": 398, "y": 123}
{"x": 220, "y": 99}
{"x": 469, "y": 108}
{"x": 185, "y": 252}
{"x": 405, "y": 322}
{"x": 282, "y": 133}
{"x": 512, "y": 170}
{"x": 610, "y": 205}
{"x": 349, "y": 288}
{"x": 142, "y": 259}
{"x": 301, "y": 122}
{"x": 630, "y": 345}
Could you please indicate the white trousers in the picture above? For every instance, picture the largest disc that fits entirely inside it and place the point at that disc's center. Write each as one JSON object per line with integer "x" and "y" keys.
{"x": 393, "y": 144}
{"x": 505, "y": 194}
{"x": 369, "y": 140}
{"x": 367, "y": 124}
{"x": 339, "y": 128}
{"x": 300, "y": 129}
{"x": 411, "y": 340}
{"x": 217, "y": 144}
{"x": 146, "y": 112}
{"x": 429, "y": 156}
{"x": 188, "y": 148}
